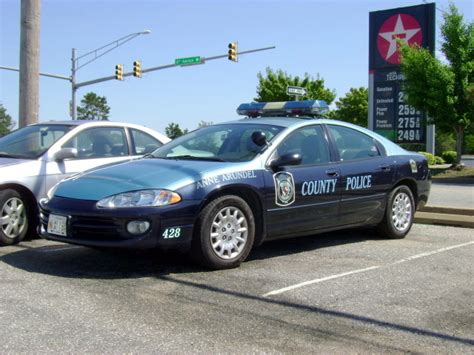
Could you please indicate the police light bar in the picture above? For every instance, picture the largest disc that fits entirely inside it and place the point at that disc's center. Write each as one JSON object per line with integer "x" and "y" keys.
{"x": 284, "y": 108}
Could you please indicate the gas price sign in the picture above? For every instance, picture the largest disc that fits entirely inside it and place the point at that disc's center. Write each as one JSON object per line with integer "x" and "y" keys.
{"x": 390, "y": 114}
{"x": 394, "y": 118}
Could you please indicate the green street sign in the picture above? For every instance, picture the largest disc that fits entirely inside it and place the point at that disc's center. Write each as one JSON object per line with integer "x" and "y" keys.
{"x": 187, "y": 61}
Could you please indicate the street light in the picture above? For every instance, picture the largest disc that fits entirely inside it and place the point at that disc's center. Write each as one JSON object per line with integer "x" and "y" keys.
{"x": 98, "y": 52}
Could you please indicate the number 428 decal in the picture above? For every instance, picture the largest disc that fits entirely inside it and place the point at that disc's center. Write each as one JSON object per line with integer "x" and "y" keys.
{"x": 171, "y": 233}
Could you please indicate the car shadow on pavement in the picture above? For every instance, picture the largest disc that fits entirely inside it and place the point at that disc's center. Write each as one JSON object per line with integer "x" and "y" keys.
{"x": 290, "y": 246}
{"x": 333, "y": 313}
{"x": 72, "y": 261}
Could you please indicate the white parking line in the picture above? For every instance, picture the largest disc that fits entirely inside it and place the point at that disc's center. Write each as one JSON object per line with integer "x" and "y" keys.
{"x": 311, "y": 282}
{"x": 306, "y": 283}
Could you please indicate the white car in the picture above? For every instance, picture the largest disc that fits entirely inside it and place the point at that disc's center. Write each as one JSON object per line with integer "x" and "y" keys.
{"x": 34, "y": 158}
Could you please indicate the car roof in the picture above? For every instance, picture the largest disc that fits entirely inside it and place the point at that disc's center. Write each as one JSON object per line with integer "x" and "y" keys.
{"x": 287, "y": 122}
{"x": 82, "y": 122}
{"x": 275, "y": 121}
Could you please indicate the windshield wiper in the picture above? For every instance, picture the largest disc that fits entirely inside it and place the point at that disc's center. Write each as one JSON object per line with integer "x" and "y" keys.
{"x": 192, "y": 157}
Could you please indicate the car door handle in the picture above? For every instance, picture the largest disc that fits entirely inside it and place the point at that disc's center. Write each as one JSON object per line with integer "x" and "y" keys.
{"x": 332, "y": 172}
{"x": 385, "y": 168}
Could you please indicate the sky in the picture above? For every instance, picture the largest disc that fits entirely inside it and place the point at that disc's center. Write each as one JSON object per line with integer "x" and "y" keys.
{"x": 322, "y": 38}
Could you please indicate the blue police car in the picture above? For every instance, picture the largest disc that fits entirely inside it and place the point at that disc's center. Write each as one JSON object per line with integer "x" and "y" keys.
{"x": 221, "y": 190}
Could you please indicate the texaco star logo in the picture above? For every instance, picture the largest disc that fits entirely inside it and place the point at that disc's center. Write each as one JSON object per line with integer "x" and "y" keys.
{"x": 401, "y": 26}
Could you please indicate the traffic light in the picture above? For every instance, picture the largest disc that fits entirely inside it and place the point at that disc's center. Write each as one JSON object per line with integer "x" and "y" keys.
{"x": 137, "y": 69}
{"x": 119, "y": 72}
{"x": 232, "y": 51}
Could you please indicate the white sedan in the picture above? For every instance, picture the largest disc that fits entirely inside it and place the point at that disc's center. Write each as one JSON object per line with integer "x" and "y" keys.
{"x": 36, "y": 157}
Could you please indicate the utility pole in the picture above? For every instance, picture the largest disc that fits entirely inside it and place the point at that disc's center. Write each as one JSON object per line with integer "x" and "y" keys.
{"x": 73, "y": 85}
{"x": 29, "y": 62}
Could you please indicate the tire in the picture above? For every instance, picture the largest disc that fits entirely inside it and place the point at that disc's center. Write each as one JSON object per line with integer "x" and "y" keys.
{"x": 13, "y": 217}
{"x": 399, "y": 214}
{"x": 224, "y": 233}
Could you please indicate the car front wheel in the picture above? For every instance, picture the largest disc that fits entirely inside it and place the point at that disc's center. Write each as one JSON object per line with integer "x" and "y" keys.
{"x": 13, "y": 217}
{"x": 399, "y": 213}
{"x": 224, "y": 233}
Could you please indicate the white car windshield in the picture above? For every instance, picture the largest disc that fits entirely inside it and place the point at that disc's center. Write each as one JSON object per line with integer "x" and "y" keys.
{"x": 227, "y": 142}
{"x": 32, "y": 141}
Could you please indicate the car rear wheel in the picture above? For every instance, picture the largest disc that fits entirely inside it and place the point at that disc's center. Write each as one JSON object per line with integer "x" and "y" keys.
{"x": 224, "y": 233}
{"x": 13, "y": 217}
{"x": 399, "y": 213}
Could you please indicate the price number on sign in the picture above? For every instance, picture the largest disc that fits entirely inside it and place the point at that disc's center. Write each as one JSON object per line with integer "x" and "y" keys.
{"x": 409, "y": 135}
{"x": 409, "y": 122}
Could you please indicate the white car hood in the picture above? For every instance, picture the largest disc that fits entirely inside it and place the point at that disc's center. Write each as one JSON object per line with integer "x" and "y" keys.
{"x": 11, "y": 161}
{"x": 14, "y": 170}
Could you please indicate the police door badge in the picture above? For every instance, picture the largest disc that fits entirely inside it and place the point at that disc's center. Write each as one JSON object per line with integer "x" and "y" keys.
{"x": 413, "y": 167}
{"x": 284, "y": 188}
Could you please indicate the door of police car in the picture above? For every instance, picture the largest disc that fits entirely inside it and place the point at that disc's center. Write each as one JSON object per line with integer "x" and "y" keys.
{"x": 366, "y": 175}
{"x": 304, "y": 197}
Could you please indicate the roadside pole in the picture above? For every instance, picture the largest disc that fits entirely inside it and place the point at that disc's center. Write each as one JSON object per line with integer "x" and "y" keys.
{"x": 73, "y": 85}
{"x": 28, "y": 112}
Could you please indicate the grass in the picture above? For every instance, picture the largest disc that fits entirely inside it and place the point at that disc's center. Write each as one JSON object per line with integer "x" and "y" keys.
{"x": 452, "y": 173}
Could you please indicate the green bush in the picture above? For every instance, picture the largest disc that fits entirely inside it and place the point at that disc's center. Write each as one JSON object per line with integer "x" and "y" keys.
{"x": 430, "y": 157}
{"x": 444, "y": 141}
{"x": 439, "y": 160}
{"x": 433, "y": 159}
{"x": 469, "y": 144}
{"x": 449, "y": 156}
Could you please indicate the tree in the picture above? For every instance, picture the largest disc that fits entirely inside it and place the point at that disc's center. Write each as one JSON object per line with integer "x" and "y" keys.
{"x": 353, "y": 107}
{"x": 6, "y": 123}
{"x": 444, "y": 91}
{"x": 272, "y": 87}
{"x": 93, "y": 107}
{"x": 173, "y": 130}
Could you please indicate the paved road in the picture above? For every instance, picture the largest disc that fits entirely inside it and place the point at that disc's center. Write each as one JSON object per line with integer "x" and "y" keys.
{"x": 345, "y": 292}
{"x": 468, "y": 160}
{"x": 451, "y": 195}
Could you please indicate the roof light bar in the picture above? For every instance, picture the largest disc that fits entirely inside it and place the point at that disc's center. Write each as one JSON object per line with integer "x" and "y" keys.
{"x": 284, "y": 108}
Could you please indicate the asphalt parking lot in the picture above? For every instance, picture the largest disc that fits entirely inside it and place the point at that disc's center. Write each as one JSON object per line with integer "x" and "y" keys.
{"x": 345, "y": 292}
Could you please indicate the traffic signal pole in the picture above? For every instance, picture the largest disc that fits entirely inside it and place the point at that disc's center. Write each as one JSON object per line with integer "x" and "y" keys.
{"x": 74, "y": 68}
{"x": 167, "y": 66}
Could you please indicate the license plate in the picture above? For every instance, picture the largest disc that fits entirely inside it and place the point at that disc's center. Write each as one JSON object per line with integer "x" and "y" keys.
{"x": 57, "y": 225}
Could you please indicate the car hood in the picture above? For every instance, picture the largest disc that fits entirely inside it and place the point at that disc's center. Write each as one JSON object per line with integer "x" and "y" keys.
{"x": 4, "y": 162}
{"x": 13, "y": 170}
{"x": 141, "y": 174}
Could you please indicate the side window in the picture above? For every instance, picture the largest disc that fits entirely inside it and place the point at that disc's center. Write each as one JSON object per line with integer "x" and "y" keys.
{"x": 101, "y": 142}
{"x": 143, "y": 143}
{"x": 352, "y": 144}
{"x": 309, "y": 142}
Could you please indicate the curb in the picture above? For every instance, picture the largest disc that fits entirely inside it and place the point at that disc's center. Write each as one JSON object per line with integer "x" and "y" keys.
{"x": 453, "y": 181}
{"x": 448, "y": 210}
{"x": 446, "y": 216}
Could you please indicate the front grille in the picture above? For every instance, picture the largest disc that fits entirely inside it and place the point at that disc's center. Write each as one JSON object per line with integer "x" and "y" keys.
{"x": 91, "y": 228}
{"x": 97, "y": 228}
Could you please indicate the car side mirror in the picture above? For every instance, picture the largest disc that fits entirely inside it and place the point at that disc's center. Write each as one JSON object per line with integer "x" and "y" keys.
{"x": 284, "y": 160}
{"x": 259, "y": 138}
{"x": 65, "y": 153}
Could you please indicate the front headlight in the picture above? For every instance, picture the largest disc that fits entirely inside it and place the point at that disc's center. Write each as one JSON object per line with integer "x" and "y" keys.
{"x": 143, "y": 198}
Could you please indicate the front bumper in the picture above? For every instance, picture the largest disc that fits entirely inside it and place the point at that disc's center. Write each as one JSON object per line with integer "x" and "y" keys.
{"x": 171, "y": 227}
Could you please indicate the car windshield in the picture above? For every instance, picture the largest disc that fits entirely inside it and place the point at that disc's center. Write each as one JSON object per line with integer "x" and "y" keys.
{"x": 227, "y": 142}
{"x": 32, "y": 141}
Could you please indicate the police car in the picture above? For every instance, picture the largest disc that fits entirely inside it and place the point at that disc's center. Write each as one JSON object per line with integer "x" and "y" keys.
{"x": 221, "y": 190}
